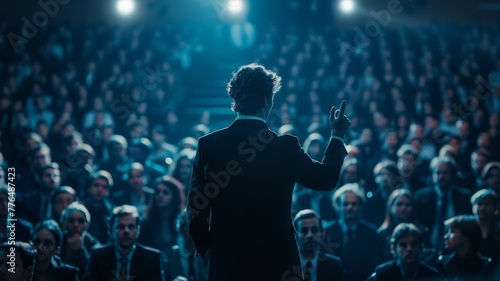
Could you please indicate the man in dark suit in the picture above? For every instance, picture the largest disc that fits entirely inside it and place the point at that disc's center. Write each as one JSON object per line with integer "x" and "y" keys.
{"x": 406, "y": 246}
{"x": 317, "y": 264}
{"x": 243, "y": 176}
{"x": 354, "y": 240}
{"x": 442, "y": 200}
{"x": 124, "y": 259}
{"x": 35, "y": 205}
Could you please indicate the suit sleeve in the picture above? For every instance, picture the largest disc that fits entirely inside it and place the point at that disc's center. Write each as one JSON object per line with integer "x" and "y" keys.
{"x": 91, "y": 271}
{"x": 320, "y": 175}
{"x": 157, "y": 273}
{"x": 198, "y": 205}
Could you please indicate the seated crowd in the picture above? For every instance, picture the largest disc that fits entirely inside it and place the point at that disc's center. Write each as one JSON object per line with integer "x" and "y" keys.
{"x": 102, "y": 172}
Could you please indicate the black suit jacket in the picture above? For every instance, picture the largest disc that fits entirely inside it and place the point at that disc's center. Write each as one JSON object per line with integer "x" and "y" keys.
{"x": 367, "y": 251}
{"x": 239, "y": 201}
{"x": 145, "y": 264}
{"x": 426, "y": 204}
{"x": 391, "y": 271}
{"x": 329, "y": 268}
{"x": 173, "y": 266}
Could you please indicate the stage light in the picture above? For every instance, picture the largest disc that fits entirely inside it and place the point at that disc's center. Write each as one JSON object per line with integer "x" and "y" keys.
{"x": 235, "y": 6}
{"x": 125, "y": 7}
{"x": 346, "y": 6}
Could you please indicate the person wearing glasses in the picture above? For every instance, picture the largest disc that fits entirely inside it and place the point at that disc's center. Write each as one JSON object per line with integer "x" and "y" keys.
{"x": 77, "y": 241}
{"x": 317, "y": 263}
{"x": 47, "y": 238}
{"x": 406, "y": 247}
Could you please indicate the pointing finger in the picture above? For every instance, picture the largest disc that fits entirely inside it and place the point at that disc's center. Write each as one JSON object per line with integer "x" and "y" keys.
{"x": 342, "y": 109}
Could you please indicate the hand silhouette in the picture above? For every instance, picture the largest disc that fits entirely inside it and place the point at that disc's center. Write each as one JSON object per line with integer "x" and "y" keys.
{"x": 339, "y": 123}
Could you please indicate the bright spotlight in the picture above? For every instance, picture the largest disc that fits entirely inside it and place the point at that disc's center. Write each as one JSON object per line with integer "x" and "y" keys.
{"x": 235, "y": 6}
{"x": 125, "y": 7}
{"x": 346, "y": 6}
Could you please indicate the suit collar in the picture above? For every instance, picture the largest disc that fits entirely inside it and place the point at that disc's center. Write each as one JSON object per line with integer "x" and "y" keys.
{"x": 255, "y": 123}
{"x": 249, "y": 117}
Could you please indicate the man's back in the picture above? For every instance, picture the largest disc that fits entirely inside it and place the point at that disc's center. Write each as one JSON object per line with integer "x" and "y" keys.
{"x": 239, "y": 200}
{"x": 247, "y": 174}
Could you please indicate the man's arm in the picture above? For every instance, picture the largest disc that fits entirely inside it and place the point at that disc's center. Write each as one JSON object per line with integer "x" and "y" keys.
{"x": 91, "y": 274}
{"x": 157, "y": 273}
{"x": 325, "y": 175}
{"x": 198, "y": 205}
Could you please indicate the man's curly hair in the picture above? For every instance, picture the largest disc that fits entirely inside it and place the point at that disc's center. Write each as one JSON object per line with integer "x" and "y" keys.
{"x": 249, "y": 85}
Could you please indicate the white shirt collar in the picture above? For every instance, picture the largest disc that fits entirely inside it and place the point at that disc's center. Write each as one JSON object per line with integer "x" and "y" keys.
{"x": 251, "y": 117}
{"x": 313, "y": 260}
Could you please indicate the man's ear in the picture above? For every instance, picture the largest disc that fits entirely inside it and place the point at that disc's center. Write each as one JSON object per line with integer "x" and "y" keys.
{"x": 138, "y": 231}
{"x": 267, "y": 102}
{"x": 393, "y": 250}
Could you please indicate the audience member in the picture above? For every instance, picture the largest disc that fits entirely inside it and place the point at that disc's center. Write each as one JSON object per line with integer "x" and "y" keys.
{"x": 47, "y": 238}
{"x": 317, "y": 263}
{"x": 123, "y": 258}
{"x": 361, "y": 248}
{"x": 406, "y": 247}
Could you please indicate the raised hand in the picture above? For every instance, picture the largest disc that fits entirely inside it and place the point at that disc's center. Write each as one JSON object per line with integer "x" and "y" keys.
{"x": 339, "y": 122}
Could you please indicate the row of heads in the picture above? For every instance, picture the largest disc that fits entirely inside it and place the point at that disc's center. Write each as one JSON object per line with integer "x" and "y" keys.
{"x": 120, "y": 211}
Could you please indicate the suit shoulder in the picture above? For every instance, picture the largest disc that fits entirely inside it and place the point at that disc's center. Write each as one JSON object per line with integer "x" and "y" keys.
{"x": 462, "y": 190}
{"x": 147, "y": 249}
{"x": 385, "y": 266}
{"x": 288, "y": 138}
{"x": 98, "y": 248}
{"x": 213, "y": 134}
{"x": 331, "y": 258}
{"x": 367, "y": 225}
{"x": 331, "y": 225}
{"x": 424, "y": 191}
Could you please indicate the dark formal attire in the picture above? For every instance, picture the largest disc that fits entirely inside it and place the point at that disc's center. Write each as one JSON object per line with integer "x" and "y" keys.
{"x": 473, "y": 267}
{"x": 324, "y": 267}
{"x": 98, "y": 226}
{"x": 79, "y": 258}
{"x": 140, "y": 265}
{"x": 179, "y": 263}
{"x": 59, "y": 271}
{"x": 393, "y": 271}
{"x": 240, "y": 198}
{"x": 35, "y": 206}
{"x": 158, "y": 233}
{"x": 375, "y": 207}
{"x": 319, "y": 201}
{"x": 360, "y": 248}
{"x": 490, "y": 246}
{"x": 127, "y": 196}
{"x": 434, "y": 207}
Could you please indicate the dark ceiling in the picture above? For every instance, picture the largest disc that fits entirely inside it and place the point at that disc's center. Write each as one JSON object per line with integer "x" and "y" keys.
{"x": 154, "y": 11}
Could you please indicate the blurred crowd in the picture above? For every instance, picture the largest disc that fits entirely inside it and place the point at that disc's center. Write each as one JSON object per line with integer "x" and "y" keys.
{"x": 91, "y": 115}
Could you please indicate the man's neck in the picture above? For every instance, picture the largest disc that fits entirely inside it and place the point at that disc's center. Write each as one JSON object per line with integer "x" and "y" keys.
{"x": 309, "y": 254}
{"x": 350, "y": 222}
{"x": 410, "y": 268}
{"x": 261, "y": 114}
{"x": 123, "y": 251}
